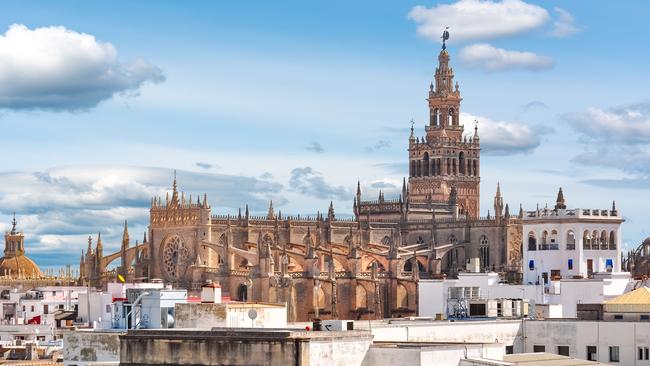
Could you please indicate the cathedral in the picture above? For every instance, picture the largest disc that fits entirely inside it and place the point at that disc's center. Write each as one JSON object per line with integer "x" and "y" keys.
{"x": 326, "y": 267}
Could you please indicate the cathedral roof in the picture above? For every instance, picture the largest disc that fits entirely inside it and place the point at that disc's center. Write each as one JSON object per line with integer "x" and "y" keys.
{"x": 19, "y": 265}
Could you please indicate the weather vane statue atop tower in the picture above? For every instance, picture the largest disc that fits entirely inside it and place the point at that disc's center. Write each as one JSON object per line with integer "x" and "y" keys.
{"x": 445, "y": 36}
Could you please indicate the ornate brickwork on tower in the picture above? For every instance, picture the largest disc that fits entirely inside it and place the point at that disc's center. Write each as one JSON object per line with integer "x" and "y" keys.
{"x": 445, "y": 158}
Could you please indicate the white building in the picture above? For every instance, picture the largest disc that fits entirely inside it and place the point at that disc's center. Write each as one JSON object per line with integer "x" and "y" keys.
{"x": 434, "y": 295}
{"x": 38, "y": 306}
{"x": 609, "y": 342}
{"x": 98, "y": 308}
{"x": 570, "y": 243}
{"x": 561, "y": 296}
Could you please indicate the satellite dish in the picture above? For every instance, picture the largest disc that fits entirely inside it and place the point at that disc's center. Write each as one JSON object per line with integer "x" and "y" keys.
{"x": 252, "y": 314}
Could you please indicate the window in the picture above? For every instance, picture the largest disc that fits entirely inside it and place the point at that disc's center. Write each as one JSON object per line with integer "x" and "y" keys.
{"x": 618, "y": 317}
{"x": 643, "y": 353}
{"x": 592, "y": 354}
{"x": 613, "y": 354}
{"x": 510, "y": 350}
{"x": 539, "y": 348}
{"x": 532, "y": 241}
{"x": 45, "y": 309}
{"x": 612, "y": 240}
{"x": 108, "y": 308}
{"x": 571, "y": 240}
{"x": 477, "y": 310}
{"x": 609, "y": 264}
{"x": 570, "y": 263}
{"x": 531, "y": 265}
{"x": 644, "y": 317}
{"x": 484, "y": 252}
{"x": 563, "y": 350}
{"x": 32, "y": 308}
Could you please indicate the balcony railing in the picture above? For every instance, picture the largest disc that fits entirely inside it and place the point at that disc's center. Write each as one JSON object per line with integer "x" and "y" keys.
{"x": 554, "y": 246}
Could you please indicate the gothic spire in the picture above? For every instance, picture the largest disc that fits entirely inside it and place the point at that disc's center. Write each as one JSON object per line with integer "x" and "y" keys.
{"x": 560, "y": 203}
{"x": 330, "y": 212}
{"x": 498, "y": 202}
{"x": 174, "y": 200}
{"x": 100, "y": 246}
{"x": 125, "y": 235}
{"x": 270, "y": 214}
{"x": 90, "y": 243}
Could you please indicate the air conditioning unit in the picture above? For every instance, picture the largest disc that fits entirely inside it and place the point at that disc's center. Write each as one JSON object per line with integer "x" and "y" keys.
{"x": 338, "y": 325}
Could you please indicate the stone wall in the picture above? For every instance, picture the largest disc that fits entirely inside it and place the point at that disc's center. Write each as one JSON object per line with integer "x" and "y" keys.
{"x": 238, "y": 347}
{"x": 90, "y": 347}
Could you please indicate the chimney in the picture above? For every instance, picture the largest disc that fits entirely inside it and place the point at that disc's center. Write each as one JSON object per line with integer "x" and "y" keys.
{"x": 211, "y": 293}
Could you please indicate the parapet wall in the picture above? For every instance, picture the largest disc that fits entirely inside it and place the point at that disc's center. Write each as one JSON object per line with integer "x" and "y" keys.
{"x": 238, "y": 347}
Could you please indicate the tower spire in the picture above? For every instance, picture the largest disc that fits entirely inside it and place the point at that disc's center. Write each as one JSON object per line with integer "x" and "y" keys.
{"x": 559, "y": 202}
{"x": 270, "y": 215}
{"x": 498, "y": 202}
{"x": 125, "y": 235}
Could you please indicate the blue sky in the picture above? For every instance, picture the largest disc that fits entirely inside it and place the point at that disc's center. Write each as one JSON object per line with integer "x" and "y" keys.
{"x": 295, "y": 101}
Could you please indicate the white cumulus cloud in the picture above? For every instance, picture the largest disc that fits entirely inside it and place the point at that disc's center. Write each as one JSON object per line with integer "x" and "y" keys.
{"x": 54, "y": 68}
{"x": 627, "y": 124}
{"x": 478, "y": 19}
{"x": 505, "y": 138}
{"x": 490, "y": 58}
{"x": 564, "y": 25}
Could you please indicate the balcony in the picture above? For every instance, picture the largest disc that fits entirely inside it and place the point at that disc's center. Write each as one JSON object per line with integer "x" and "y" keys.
{"x": 553, "y": 246}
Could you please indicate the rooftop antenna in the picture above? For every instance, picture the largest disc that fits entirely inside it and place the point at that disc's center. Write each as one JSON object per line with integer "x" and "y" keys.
{"x": 445, "y": 37}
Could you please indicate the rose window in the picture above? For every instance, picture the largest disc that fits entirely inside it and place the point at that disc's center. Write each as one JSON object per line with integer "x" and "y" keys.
{"x": 176, "y": 256}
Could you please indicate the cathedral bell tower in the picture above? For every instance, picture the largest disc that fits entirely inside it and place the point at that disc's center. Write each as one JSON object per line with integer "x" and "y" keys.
{"x": 445, "y": 158}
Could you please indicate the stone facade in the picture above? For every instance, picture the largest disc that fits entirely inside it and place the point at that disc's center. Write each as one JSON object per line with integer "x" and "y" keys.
{"x": 326, "y": 267}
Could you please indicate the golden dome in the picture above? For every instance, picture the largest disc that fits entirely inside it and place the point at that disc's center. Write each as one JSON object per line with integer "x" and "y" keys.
{"x": 19, "y": 265}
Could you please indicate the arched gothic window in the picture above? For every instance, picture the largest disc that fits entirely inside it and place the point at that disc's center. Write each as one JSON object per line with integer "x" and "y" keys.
{"x": 484, "y": 252}
{"x": 461, "y": 162}
{"x": 425, "y": 164}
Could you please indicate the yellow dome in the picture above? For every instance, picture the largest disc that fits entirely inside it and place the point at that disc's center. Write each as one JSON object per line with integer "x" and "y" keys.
{"x": 19, "y": 265}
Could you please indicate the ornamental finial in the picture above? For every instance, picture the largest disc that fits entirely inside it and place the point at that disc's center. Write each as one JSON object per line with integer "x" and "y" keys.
{"x": 13, "y": 225}
{"x": 445, "y": 37}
